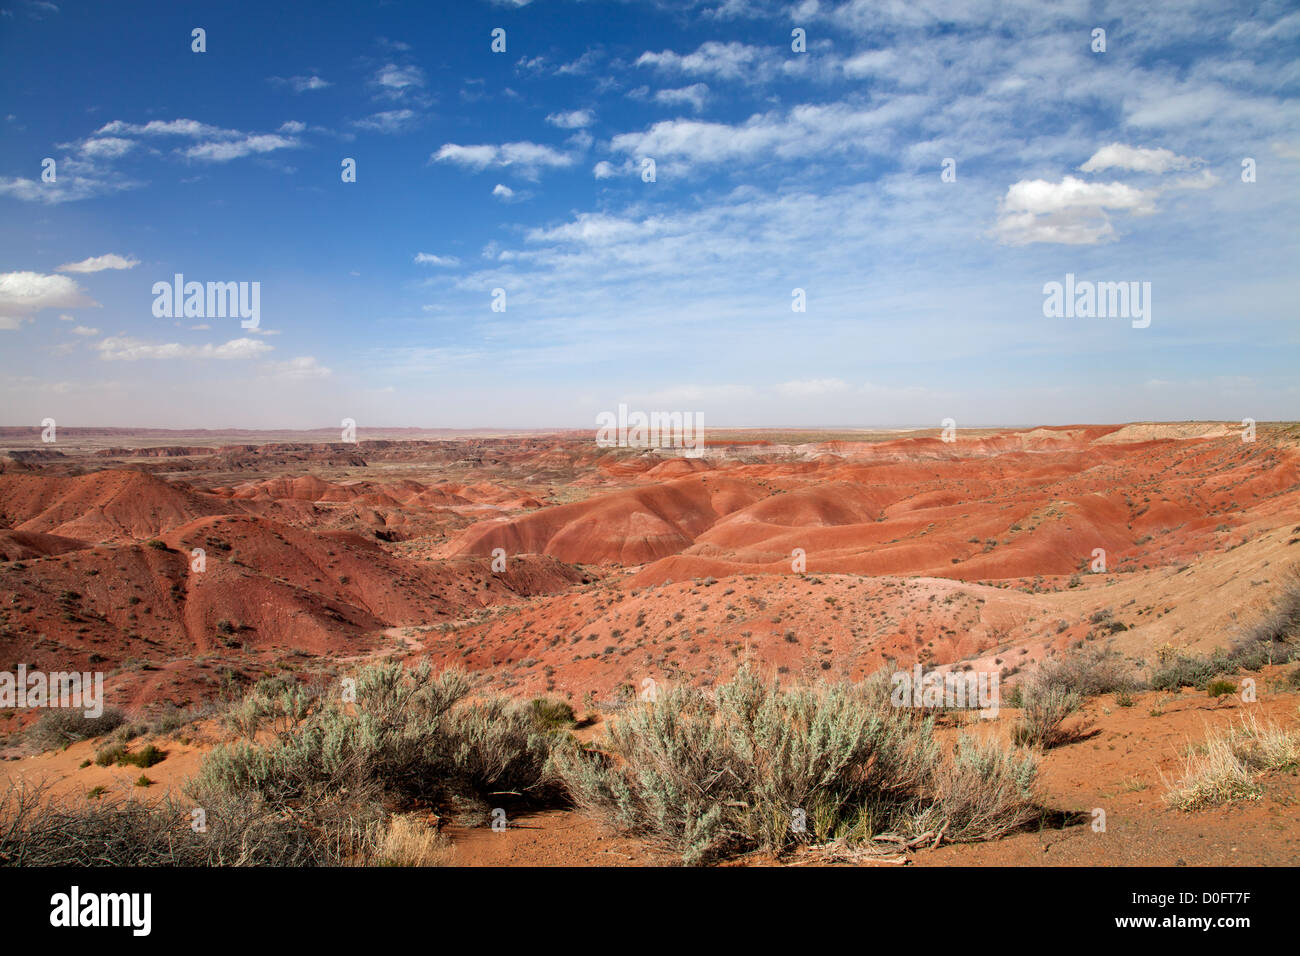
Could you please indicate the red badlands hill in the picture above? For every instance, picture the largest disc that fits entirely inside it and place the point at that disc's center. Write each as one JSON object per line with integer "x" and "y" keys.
{"x": 811, "y": 552}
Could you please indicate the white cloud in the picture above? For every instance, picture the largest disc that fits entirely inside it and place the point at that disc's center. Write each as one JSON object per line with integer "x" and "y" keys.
{"x": 130, "y": 350}
{"x": 1071, "y": 212}
{"x": 803, "y": 131}
{"x": 582, "y": 65}
{"x": 220, "y": 144}
{"x": 1137, "y": 159}
{"x": 100, "y": 263}
{"x": 429, "y": 259}
{"x": 84, "y": 330}
{"x": 105, "y": 147}
{"x": 76, "y": 181}
{"x": 178, "y": 127}
{"x": 502, "y": 192}
{"x": 693, "y": 96}
{"x": 529, "y": 158}
{"x": 730, "y": 61}
{"x": 574, "y": 119}
{"x": 301, "y": 84}
{"x": 221, "y": 152}
{"x": 23, "y": 294}
{"x": 388, "y": 121}
{"x": 814, "y": 386}
{"x": 400, "y": 84}
{"x": 303, "y": 367}
{"x": 603, "y": 170}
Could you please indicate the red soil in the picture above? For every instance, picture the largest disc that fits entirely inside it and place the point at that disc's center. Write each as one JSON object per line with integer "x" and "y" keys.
{"x": 978, "y": 549}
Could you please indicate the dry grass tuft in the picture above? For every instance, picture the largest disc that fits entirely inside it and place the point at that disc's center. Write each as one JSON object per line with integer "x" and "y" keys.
{"x": 1226, "y": 766}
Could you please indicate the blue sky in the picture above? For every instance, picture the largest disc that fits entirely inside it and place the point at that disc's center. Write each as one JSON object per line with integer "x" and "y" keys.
{"x": 523, "y": 171}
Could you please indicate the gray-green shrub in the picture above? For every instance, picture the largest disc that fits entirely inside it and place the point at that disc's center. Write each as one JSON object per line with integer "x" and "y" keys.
{"x": 712, "y": 774}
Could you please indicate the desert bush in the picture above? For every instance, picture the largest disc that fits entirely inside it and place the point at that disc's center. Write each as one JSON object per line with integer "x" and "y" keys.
{"x": 172, "y": 718}
{"x": 553, "y": 714}
{"x": 411, "y": 735}
{"x": 1274, "y": 638}
{"x": 1291, "y": 679}
{"x": 1045, "y": 705}
{"x": 1220, "y": 688}
{"x": 1190, "y": 670}
{"x": 1226, "y": 766}
{"x": 711, "y": 774}
{"x": 110, "y": 754}
{"x": 63, "y": 726}
{"x": 983, "y": 792}
{"x": 146, "y": 756}
{"x": 1090, "y": 673}
{"x": 36, "y": 830}
{"x": 278, "y": 704}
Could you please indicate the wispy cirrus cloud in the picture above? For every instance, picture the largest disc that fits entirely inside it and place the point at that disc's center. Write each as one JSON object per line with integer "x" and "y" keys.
{"x": 298, "y": 369}
{"x": 300, "y": 84}
{"x": 126, "y": 349}
{"x": 429, "y": 259}
{"x": 217, "y": 144}
{"x": 400, "y": 84}
{"x": 389, "y": 121}
{"x": 798, "y": 133}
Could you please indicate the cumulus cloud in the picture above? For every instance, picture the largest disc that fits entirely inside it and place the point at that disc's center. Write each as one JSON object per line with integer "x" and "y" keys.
{"x": 503, "y": 192}
{"x": 1071, "y": 212}
{"x": 130, "y": 350}
{"x": 693, "y": 96}
{"x": 527, "y": 157}
{"x": 574, "y": 119}
{"x": 100, "y": 263}
{"x": 105, "y": 147}
{"x": 23, "y": 294}
{"x": 729, "y": 61}
{"x": 394, "y": 77}
{"x": 1137, "y": 159}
